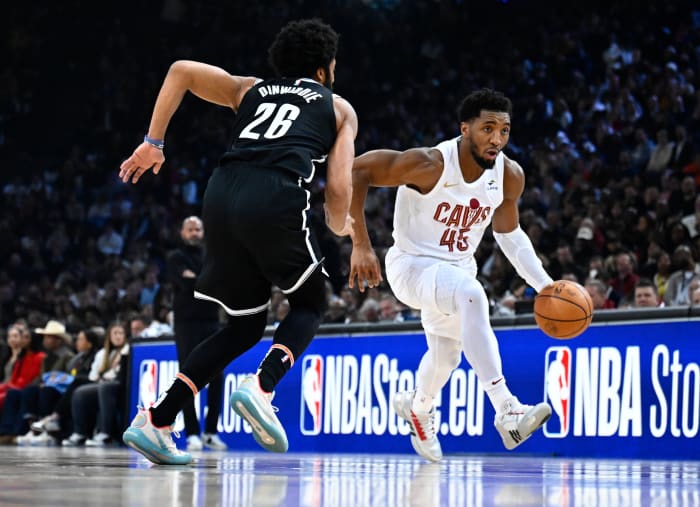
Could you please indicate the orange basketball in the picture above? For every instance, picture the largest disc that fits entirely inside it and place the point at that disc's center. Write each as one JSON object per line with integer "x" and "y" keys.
{"x": 563, "y": 309}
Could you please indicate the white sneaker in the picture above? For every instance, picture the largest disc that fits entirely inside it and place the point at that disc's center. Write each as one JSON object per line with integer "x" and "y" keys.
{"x": 255, "y": 406}
{"x": 423, "y": 437}
{"x": 153, "y": 442}
{"x": 516, "y": 422}
{"x": 39, "y": 426}
{"x": 43, "y": 439}
{"x": 212, "y": 441}
{"x": 194, "y": 443}
{"x": 25, "y": 439}
{"x": 75, "y": 440}
{"x": 99, "y": 440}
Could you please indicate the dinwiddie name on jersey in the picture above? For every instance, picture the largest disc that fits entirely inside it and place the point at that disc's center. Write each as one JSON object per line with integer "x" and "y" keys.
{"x": 307, "y": 94}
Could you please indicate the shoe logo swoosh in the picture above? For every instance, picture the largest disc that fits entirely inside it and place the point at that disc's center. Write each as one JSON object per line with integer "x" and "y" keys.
{"x": 448, "y": 185}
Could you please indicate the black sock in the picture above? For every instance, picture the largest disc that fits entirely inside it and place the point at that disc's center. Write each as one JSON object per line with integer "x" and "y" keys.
{"x": 272, "y": 369}
{"x": 207, "y": 360}
{"x": 165, "y": 411}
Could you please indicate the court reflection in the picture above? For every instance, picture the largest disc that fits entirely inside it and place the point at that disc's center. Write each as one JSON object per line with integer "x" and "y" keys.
{"x": 355, "y": 481}
{"x": 117, "y": 477}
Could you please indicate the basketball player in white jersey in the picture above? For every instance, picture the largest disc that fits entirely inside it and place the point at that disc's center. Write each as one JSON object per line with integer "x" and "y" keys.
{"x": 447, "y": 196}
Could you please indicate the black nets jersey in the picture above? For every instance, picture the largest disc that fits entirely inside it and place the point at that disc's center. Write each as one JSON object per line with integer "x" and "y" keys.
{"x": 286, "y": 124}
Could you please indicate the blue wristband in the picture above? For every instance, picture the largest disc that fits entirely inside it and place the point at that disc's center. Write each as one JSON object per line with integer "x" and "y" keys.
{"x": 158, "y": 143}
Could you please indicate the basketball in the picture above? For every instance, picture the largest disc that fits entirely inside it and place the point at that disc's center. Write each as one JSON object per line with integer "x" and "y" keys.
{"x": 563, "y": 309}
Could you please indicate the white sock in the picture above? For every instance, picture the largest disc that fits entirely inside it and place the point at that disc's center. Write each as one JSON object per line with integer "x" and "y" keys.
{"x": 497, "y": 391}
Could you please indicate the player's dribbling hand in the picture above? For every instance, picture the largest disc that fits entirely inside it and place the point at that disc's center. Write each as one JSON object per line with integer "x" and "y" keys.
{"x": 364, "y": 265}
{"x": 144, "y": 157}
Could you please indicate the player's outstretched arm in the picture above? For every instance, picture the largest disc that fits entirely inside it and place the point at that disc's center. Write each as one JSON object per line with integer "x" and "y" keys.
{"x": 512, "y": 240}
{"x": 207, "y": 82}
{"x": 338, "y": 191}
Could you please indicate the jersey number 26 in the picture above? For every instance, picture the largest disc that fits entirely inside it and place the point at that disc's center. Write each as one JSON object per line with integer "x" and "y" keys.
{"x": 277, "y": 127}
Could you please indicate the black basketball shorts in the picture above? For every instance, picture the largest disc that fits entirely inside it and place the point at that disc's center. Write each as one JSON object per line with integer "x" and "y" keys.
{"x": 256, "y": 235}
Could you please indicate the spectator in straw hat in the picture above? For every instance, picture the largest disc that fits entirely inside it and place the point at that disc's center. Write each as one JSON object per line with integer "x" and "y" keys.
{"x": 57, "y": 345}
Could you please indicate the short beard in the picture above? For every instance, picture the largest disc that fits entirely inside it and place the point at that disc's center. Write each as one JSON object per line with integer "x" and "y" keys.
{"x": 483, "y": 163}
{"x": 192, "y": 242}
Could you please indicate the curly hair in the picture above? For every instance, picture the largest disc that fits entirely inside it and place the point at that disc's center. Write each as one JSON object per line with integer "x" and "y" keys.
{"x": 483, "y": 100}
{"x": 301, "y": 47}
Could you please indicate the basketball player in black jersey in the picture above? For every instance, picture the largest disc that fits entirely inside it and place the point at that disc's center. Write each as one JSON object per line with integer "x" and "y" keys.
{"x": 255, "y": 214}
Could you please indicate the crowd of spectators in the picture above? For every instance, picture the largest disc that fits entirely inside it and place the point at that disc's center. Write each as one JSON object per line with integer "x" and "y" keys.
{"x": 606, "y": 125}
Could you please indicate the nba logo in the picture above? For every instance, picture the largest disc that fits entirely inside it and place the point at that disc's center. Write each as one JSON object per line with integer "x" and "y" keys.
{"x": 148, "y": 382}
{"x": 311, "y": 395}
{"x": 557, "y": 389}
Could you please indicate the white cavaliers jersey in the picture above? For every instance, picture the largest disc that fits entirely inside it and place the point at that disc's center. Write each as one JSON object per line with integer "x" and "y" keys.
{"x": 449, "y": 221}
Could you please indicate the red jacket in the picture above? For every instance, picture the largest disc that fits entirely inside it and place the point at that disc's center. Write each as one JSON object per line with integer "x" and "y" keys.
{"x": 25, "y": 370}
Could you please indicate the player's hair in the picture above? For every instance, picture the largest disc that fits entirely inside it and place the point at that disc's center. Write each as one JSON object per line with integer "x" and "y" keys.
{"x": 483, "y": 100}
{"x": 301, "y": 47}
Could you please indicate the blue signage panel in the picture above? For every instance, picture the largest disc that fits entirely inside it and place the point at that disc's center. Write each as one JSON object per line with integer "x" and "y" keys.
{"x": 622, "y": 390}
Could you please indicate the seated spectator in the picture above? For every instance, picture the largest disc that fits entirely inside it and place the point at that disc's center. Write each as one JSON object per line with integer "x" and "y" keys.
{"x": 337, "y": 311}
{"x": 505, "y": 306}
{"x": 13, "y": 348}
{"x": 625, "y": 280}
{"x": 646, "y": 294}
{"x": 144, "y": 326}
{"x": 661, "y": 154}
{"x": 55, "y": 414}
{"x": 21, "y": 405}
{"x": 596, "y": 268}
{"x": 110, "y": 242}
{"x": 368, "y": 311}
{"x": 695, "y": 301}
{"x": 137, "y": 325}
{"x": 599, "y": 293}
{"x": 693, "y": 287}
{"x": 683, "y": 150}
{"x": 95, "y": 405}
{"x": 389, "y": 309}
{"x": 150, "y": 287}
{"x": 677, "y": 285}
{"x": 564, "y": 262}
{"x": 24, "y": 367}
{"x": 663, "y": 272}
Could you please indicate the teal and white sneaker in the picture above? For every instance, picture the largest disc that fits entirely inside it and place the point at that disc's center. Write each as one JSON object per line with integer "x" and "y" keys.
{"x": 154, "y": 443}
{"x": 255, "y": 406}
{"x": 516, "y": 422}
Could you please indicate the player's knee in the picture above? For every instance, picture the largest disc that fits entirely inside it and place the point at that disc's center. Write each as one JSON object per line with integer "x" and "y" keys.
{"x": 470, "y": 292}
{"x": 311, "y": 295}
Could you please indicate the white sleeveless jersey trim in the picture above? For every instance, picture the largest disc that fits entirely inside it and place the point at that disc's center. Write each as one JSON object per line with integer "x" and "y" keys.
{"x": 449, "y": 221}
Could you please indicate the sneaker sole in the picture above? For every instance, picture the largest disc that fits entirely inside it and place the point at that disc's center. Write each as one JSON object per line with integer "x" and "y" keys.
{"x": 131, "y": 439}
{"x": 516, "y": 438}
{"x": 244, "y": 407}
